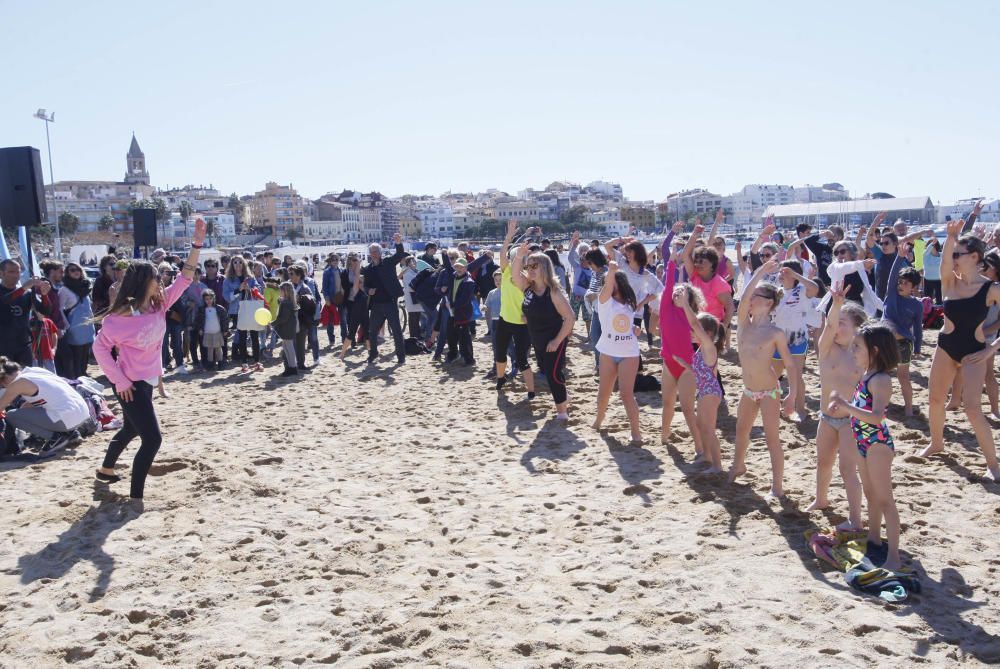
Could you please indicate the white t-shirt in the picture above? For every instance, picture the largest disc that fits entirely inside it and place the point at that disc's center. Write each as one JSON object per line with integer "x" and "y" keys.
{"x": 60, "y": 401}
{"x": 617, "y": 338}
{"x": 212, "y": 325}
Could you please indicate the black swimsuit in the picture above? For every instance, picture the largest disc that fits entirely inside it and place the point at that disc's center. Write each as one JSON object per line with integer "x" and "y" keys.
{"x": 966, "y": 314}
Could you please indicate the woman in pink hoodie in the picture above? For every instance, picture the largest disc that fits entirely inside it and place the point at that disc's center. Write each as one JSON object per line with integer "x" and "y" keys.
{"x": 134, "y": 326}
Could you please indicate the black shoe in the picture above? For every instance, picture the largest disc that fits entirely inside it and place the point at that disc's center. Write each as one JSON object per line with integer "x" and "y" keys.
{"x": 372, "y": 358}
{"x": 289, "y": 371}
{"x": 401, "y": 360}
{"x": 301, "y": 369}
{"x": 501, "y": 382}
{"x": 57, "y": 443}
{"x": 468, "y": 363}
{"x": 492, "y": 374}
{"x": 451, "y": 358}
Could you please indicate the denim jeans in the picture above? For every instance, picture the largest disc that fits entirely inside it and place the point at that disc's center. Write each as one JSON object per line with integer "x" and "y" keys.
{"x": 172, "y": 343}
{"x": 595, "y": 335}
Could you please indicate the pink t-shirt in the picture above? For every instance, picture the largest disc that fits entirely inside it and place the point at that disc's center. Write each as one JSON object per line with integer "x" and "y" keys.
{"x": 138, "y": 339}
{"x": 712, "y": 289}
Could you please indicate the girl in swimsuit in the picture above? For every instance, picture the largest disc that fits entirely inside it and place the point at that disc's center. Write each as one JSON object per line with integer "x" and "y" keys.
{"x": 709, "y": 336}
{"x": 875, "y": 347}
{"x": 675, "y": 338}
{"x": 757, "y": 340}
{"x": 967, "y": 296}
{"x": 838, "y": 372}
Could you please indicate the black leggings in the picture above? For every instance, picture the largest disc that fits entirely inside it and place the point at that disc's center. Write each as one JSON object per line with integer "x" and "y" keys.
{"x": 140, "y": 420}
{"x": 240, "y": 346}
{"x": 932, "y": 289}
{"x": 552, "y": 365}
{"x": 507, "y": 332}
{"x": 357, "y": 319}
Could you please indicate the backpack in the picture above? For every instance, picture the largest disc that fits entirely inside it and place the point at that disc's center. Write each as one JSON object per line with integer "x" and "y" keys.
{"x": 307, "y": 307}
{"x": 415, "y": 346}
{"x": 646, "y": 383}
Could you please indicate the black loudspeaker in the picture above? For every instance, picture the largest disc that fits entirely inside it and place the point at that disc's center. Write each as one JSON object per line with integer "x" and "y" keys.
{"x": 144, "y": 227}
{"x": 22, "y": 193}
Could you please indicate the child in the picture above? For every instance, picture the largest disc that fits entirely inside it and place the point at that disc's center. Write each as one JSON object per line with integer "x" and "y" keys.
{"x": 875, "y": 349}
{"x": 906, "y": 314}
{"x": 758, "y": 340}
{"x": 838, "y": 372}
{"x": 286, "y": 324}
{"x": 210, "y": 326}
{"x": 792, "y": 315}
{"x": 677, "y": 353}
{"x": 44, "y": 339}
{"x": 619, "y": 348}
{"x": 492, "y": 316}
{"x": 271, "y": 300}
{"x": 708, "y": 333}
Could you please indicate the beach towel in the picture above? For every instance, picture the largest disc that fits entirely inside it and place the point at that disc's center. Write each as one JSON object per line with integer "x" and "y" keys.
{"x": 890, "y": 586}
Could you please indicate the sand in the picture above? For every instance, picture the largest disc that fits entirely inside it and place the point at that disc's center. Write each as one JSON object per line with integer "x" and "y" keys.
{"x": 410, "y": 517}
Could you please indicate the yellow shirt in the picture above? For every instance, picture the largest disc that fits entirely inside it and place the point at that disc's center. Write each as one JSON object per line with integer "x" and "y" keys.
{"x": 919, "y": 246}
{"x": 511, "y": 299}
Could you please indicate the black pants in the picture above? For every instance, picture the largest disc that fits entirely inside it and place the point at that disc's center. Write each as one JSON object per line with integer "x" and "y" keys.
{"x": 140, "y": 420}
{"x": 240, "y": 346}
{"x": 79, "y": 357}
{"x": 357, "y": 322}
{"x": 300, "y": 344}
{"x": 460, "y": 341}
{"x": 64, "y": 359}
{"x": 932, "y": 289}
{"x": 21, "y": 354}
{"x": 551, "y": 364}
{"x": 194, "y": 345}
{"x": 413, "y": 326}
{"x": 386, "y": 312}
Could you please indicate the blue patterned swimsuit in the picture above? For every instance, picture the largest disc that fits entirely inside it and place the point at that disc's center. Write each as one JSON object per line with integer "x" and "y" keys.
{"x": 868, "y": 433}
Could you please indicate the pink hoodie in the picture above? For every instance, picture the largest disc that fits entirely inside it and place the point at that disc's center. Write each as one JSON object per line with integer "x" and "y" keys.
{"x": 139, "y": 340}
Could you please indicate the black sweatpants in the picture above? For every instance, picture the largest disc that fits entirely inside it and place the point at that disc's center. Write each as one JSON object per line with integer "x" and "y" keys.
{"x": 140, "y": 420}
{"x": 552, "y": 364}
{"x": 386, "y": 312}
{"x": 460, "y": 341}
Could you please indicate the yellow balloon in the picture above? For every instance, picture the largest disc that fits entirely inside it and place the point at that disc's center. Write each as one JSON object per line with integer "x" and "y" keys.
{"x": 262, "y": 316}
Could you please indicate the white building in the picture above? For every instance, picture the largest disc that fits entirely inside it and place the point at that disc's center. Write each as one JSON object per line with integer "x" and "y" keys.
{"x": 334, "y": 231}
{"x": 605, "y": 189}
{"x": 614, "y": 228}
{"x": 602, "y": 216}
{"x": 436, "y": 218}
{"x": 222, "y": 224}
{"x": 361, "y": 224}
{"x": 695, "y": 201}
{"x": 962, "y": 208}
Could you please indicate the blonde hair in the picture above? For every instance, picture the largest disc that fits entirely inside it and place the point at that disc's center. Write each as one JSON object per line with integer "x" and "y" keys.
{"x": 287, "y": 292}
{"x": 545, "y": 270}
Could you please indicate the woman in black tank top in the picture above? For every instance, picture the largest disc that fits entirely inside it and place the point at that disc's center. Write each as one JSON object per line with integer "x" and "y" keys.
{"x": 967, "y": 295}
{"x": 549, "y": 318}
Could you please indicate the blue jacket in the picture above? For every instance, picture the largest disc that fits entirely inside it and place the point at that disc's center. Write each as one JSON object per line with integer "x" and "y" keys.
{"x": 231, "y": 291}
{"x": 461, "y": 304}
{"x": 330, "y": 283}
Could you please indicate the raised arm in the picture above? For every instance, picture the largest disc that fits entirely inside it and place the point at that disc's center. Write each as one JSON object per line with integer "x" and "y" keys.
{"x": 829, "y": 334}
{"x": 517, "y": 267}
{"x": 971, "y": 221}
{"x": 665, "y": 246}
{"x": 608, "y": 290}
{"x": 811, "y": 288}
{"x": 859, "y": 240}
{"x": 744, "y": 313}
{"x": 511, "y": 231}
{"x": 197, "y": 242}
{"x": 689, "y": 248}
{"x": 947, "y": 262}
{"x": 707, "y": 347}
{"x": 719, "y": 217}
{"x": 870, "y": 237}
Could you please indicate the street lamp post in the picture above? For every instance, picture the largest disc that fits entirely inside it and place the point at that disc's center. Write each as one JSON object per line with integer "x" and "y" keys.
{"x": 51, "y": 118}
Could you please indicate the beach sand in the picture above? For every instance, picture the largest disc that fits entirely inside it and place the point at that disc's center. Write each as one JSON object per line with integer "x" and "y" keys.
{"x": 413, "y": 517}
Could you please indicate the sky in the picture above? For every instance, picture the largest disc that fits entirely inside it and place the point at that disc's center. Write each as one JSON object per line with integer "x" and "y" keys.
{"x": 427, "y": 97}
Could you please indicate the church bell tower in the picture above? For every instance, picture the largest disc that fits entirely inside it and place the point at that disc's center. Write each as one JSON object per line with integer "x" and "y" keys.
{"x": 136, "y": 161}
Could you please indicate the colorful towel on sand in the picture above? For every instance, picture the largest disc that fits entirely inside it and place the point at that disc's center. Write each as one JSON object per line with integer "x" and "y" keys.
{"x": 849, "y": 553}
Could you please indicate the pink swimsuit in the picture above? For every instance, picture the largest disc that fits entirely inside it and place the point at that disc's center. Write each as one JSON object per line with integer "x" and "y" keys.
{"x": 675, "y": 331}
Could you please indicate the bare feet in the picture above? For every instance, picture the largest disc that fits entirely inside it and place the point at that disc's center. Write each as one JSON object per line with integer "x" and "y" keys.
{"x": 699, "y": 457}
{"x": 714, "y": 470}
{"x": 952, "y": 407}
{"x": 818, "y": 505}
{"x": 931, "y": 450}
{"x": 848, "y": 526}
{"x": 892, "y": 564}
{"x": 665, "y": 438}
{"x": 736, "y": 472}
{"x": 775, "y": 493}
{"x": 596, "y": 425}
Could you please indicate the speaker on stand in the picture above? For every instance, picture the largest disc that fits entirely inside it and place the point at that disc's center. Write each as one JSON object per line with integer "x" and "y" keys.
{"x": 144, "y": 227}
{"x": 22, "y": 192}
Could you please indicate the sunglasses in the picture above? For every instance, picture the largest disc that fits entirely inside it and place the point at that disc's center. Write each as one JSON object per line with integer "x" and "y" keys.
{"x": 532, "y": 265}
{"x": 840, "y": 252}
{"x": 955, "y": 255}
{"x": 766, "y": 255}
{"x": 887, "y": 242}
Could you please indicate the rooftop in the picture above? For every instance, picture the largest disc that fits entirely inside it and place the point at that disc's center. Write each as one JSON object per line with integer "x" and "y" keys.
{"x": 872, "y": 206}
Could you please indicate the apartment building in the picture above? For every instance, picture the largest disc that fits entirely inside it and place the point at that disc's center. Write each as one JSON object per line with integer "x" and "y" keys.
{"x": 278, "y": 208}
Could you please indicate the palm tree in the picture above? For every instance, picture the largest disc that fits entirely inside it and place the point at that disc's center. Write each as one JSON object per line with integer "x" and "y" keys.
{"x": 185, "y": 210}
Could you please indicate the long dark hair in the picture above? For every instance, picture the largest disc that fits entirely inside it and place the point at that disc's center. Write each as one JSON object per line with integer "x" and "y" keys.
{"x": 133, "y": 290}
{"x": 79, "y": 285}
{"x": 554, "y": 257}
{"x": 625, "y": 291}
{"x": 880, "y": 341}
{"x": 638, "y": 252}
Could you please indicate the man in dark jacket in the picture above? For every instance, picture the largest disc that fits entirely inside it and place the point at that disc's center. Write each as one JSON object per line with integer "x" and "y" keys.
{"x": 384, "y": 291}
{"x": 15, "y": 311}
{"x": 430, "y": 255}
{"x": 458, "y": 289}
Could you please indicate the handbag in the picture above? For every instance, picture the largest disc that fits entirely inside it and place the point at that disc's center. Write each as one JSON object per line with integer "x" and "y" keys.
{"x": 245, "y": 316}
{"x": 338, "y": 298}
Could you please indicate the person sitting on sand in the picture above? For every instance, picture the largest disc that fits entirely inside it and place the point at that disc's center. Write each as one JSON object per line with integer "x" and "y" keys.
{"x": 758, "y": 339}
{"x": 838, "y": 371}
{"x": 51, "y": 408}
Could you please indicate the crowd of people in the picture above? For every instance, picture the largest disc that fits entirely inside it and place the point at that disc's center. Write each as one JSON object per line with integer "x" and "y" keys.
{"x": 861, "y": 305}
